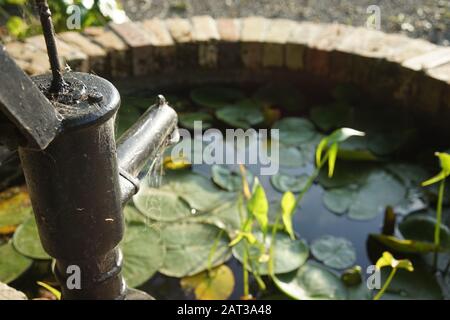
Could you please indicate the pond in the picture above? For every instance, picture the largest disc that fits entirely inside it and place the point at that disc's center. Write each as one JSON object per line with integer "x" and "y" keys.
{"x": 192, "y": 226}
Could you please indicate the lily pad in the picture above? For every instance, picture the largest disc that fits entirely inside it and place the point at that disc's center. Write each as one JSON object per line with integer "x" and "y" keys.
{"x": 334, "y": 252}
{"x": 188, "y": 248}
{"x": 15, "y": 207}
{"x": 187, "y": 119}
{"x": 295, "y": 131}
{"x": 228, "y": 179}
{"x": 238, "y": 117}
{"x": 217, "y": 284}
{"x": 27, "y": 242}
{"x": 420, "y": 227}
{"x": 331, "y": 116}
{"x": 281, "y": 95}
{"x": 161, "y": 205}
{"x": 312, "y": 281}
{"x": 215, "y": 97}
{"x": 289, "y": 254}
{"x": 226, "y": 216}
{"x": 346, "y": 174}
{"x": 143, "y": 253}
{"x": 12, "y": 263}
{"x": 404, "y": 246}
{"x": 291, "y": 157}
{"x": 338, "y": 200}
{"x": 284, "y": 182}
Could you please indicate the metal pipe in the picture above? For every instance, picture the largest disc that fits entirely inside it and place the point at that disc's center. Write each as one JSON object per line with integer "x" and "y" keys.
{"x": 145, "y": 140}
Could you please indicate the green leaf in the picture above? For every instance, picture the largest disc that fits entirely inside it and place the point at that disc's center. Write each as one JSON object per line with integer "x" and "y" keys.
{"x": 294, "y": 131}
{"x": 236, "y": 117}
{"x": 12, "y": 263}
{"x": 26, "y": 240}
{"x": 241, "y": 236}
{"x": 421, "y": 228}
{"x": 228, "y": 179}
{"x": 288, "y": 204}
{"x": 188, "y": 246}
{"x": 404, "y": 246}
{"x": 332, "y": 158}
{"x": 338, "y": 200}
{"x": 331, "y": 116}
{"x": 258, "y": 205}
{"x": 352, "y": 276}
{"x": 187, "y": 120}
{"x": 215, "y": 97}
{"x": 226, "y": 216}
{"x": 312, "y": 281}
{"x": 161, "y": 205}
{"x": 388, "y": 260}
{"x": 16, "y": 26}
{"x": 289, "y": 254}
{"x": 15, "y": 207}
{"x": 334, "y": 252}
{"x": 143, "y": 253}
{"x": 285, "y": 182}
{"x": 216, "y": 284}
{"x": 444, "y": 159}
{"x": 292, "y": 157}
{"x": 280, "y": 95}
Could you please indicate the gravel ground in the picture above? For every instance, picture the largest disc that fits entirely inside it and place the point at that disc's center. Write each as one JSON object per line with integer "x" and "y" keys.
{"x": 429, "y": 19}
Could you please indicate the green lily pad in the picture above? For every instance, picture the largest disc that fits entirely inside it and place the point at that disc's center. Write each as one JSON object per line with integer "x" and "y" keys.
{"x": 27, "y": 242}
{"x": 380, "y": 190}
{"x": 226, "y": 216}
{"x": 289, "y": 254}
{"x": 215, "y": 97}
{"x": 312, "y": 281}
{"x": 331, "y": 117}
{"x": 281, "y": 95}
{"x": 291, "y": 157}
{"x": 237, "y": 117}
{"x": 410, "y": 174}
{"x": 228, "y": 179}
{"x": 404, "y": 246}
{"x": 420, "y": 227}
{"x": 143, "y": 253}
{"x": 334, "y": 252}
{"x": 198, "y": 191}
{"x": 346, "y": 174}
{"x": 188, "y": 247}
{"x": 355, "y": 148}
{"x": 284, "y": 182}
{"x": 385, "y": 143}
{"x": 15, "y": 207}
{"x": 338, "y": 200}
{"x": 187, "y": 120}
{"x": 295, "y": 131}
{"x": 12, "y": 263}
{"x": 161, "y": 205}
{"x": 131, "y": 214}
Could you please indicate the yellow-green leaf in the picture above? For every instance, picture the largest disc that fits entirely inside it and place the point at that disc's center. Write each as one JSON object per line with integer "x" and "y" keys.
{"x": 258, "y": 205}
{"x": 387, "y": 259}
{"x": 404, "y": 246}
{"x": 52, "y": 290}
{"x": 332, "y": 158}
{"x": 288, "y": 204}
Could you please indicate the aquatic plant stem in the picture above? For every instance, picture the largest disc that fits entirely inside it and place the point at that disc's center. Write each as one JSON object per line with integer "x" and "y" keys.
{"x": 386, "y": 284}
{"x": 245, "y": 272}
{"x": 437, "y": 228}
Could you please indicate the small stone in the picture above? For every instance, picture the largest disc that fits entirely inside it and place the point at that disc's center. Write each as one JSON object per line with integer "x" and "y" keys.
{"x": 8, "y": 293}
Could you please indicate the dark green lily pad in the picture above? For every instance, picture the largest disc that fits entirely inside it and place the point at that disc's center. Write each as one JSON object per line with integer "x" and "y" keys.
{"x": 187, "y": 119}
{"x": 346, "y": 174}
{"x": 420, "y": 227}
{"x": 228, "y": 179}
{"x": 215, "y": 97}
{"x": 238, "y": 117}
{"x": 188, "y": 246}
{"x": 289, "y": 254}
{"x": 161, "y": 205}
{"x": 312, "y": 281}
{"x": 295, "y": 131}
{"x": 334, "y": 252}
{"x": 12, "y": 263}
{"x": 338, "y": 200}
{"x": 284, "y": 182}
{"x": 27, "y": 242}
{"x": 143, "y": 253}
{"x": 281, "y": 95}
{"x": 385, "y": 143}
{"x": 291, "y": 157}
{"x": 331, "y": 117}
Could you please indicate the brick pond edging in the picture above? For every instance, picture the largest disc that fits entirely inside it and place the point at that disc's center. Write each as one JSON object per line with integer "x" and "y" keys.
{"x": 414, "y": 72}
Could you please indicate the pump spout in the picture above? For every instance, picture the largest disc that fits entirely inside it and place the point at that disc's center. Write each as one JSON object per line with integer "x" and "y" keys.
{"x": 155, "y": 129}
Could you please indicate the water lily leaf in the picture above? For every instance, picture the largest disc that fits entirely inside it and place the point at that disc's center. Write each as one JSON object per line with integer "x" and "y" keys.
{"x": 347, "y": 174}
{"x": 404, "y": 246}
{"x": 188, "y": 246}
{"x": 12, "y": 263}
{"x": 292, "y": 157}
{"x": 161, "y": 205}
{"x": 421, "y": 227}
{"x": 289, "y": 254}
{"x": 284, "y": 182}
{"x": 281, "y": 95}
{"x": 294, "y": 131}
{"x": 410, "y": 174}
{"x": 334, "y": 252}
{"x": 198, "y": 191}
{"x": 355, "y": 149}
{"x": 258, "y": 205}
{"x": 385, "y": 143}
{"x": 143, "y": 253}
{"x": 216, "y": 284}
{"x": 228, "y": 179}
{"x": 236, "y": 117}
{"x": 27, "y": 242}
{"x": 15, "y": 207}
{"x": 338, "y": 200}
{"x": 187, "y": 120}
{"x": 131, "y": 214}
{"x": 312, "y": 281}
{"x": 226, "y": 216}
{"x": 331, "y": 116}
{"x": 380, "y": 190}
{"x": 215, "y": 97}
